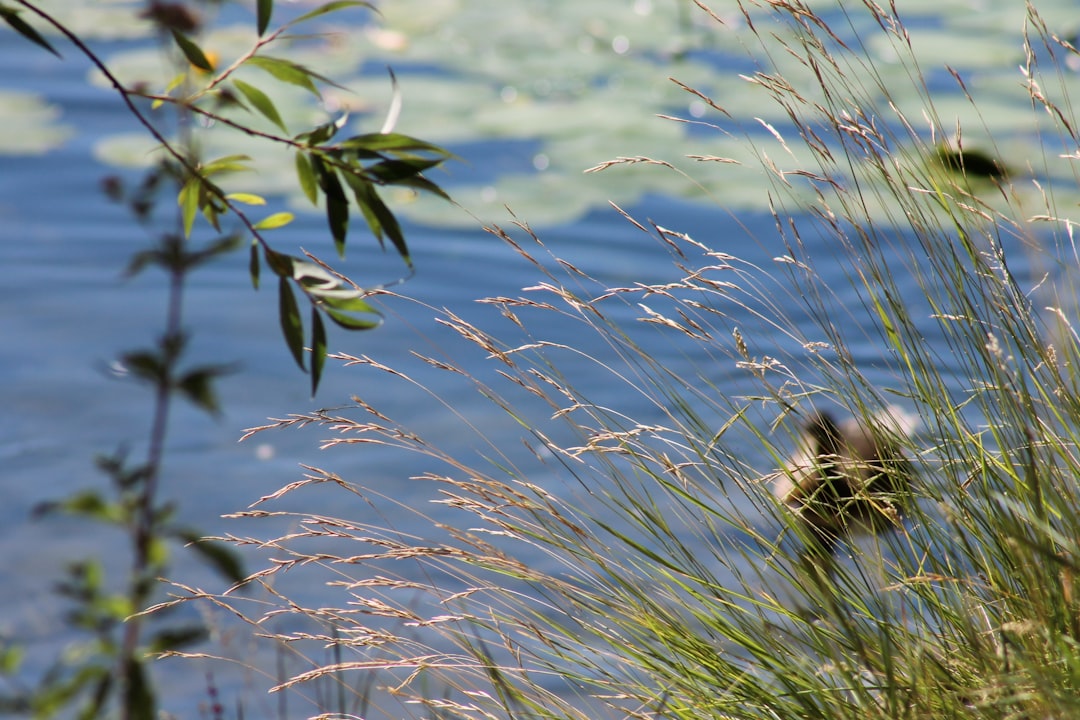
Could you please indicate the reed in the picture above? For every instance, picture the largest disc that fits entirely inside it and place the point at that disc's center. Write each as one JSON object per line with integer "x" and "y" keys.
{"x": 625, "y": 557}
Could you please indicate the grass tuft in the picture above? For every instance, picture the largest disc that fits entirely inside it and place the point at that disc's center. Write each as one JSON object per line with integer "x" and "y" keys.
{"x": 629, "y": 558}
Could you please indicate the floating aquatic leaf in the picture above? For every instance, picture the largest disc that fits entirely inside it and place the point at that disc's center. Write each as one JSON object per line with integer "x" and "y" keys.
{"x": 29, "y": 124}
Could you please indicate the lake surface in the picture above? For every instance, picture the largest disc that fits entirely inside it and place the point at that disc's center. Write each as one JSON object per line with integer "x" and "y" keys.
{"x": 65, "y": 313}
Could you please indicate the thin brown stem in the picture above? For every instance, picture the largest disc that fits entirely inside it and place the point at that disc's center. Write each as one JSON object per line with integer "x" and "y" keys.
{"x": 126, "y": 96}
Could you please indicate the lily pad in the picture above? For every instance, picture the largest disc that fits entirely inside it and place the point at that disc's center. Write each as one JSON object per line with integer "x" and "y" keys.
{"x": 99, "y": 20}
{"x": 30, "y": 124}
{"x": 578, "y": 84}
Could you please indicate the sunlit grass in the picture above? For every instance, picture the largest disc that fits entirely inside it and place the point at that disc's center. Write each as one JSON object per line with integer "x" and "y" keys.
{"x": 629, "y": 559}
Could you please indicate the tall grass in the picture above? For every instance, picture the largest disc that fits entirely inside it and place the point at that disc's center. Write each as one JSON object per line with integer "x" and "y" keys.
{"x": 628, "y": 558}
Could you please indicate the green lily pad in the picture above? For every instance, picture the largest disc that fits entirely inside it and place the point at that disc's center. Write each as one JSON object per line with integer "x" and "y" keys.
{"x": 584, "y": 82}
{"x": 30, "y": 125}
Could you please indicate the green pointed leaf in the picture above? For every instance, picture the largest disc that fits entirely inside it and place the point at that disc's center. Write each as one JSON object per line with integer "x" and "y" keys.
{"x": 87, "y": 504}
{"x": 213, "y": 249}
{"x": 192, "y": 52}
{"x": 211, "y": 213}
{"x": 228, "y": 163}
{"x": 320, "y": 134}
{"x": 11, "y": 16}
{"x": 261, "y": 102}
{"x": 198, "y": 389}
{"x": 247, "y": 198}
{"x": 188, "y": 199}
{"x": 198, "y": 386}
{"x": 347, "y": 301}
{"x": 391, "y": 172}
{"x": 328, "y": 8}
{"x": 177, "y": 80}
{"x": 291, "y": 326}
{"x": 306, "y": 176}
{"x": 325, "y": 177}
{"x": 177, "y": 638}
{"x": 280, "y": 263}
{"x": 220, "y": 556}
{"x": 378, "y": 216}
{"x": 145, "y": 365}
{"x": 101, "y": 689}
{"x": 376, "y": 143}
{"x": 11, "y": 657}
{"x": 350, "y": 322}
{"x": 337, "y": 204}
{"x": 157, "y": 556}
{"x": 287, "y": 71}
{"x": 422, "y": 184}
{"x": 140, "y": 260}
{"x": 253, "y": 264}
{"x": 337, "y": 216}
{"x": 265, "y": 10}
{"x": 318, "y": 349}
{"x": 274, "y": 221}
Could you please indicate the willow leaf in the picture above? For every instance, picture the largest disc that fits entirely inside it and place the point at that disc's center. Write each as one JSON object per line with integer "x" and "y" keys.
{"x": 274, "y": 221}
{"x": 306, "y": 176}
{"x": 318, "y": 349}
{"x": 262, "y": 103}
{"x": 192, "y": 52}
{"x": 291, "y": 326}
{"x": 254, "y": 265}
{"x": 287, "y": 71}
{"x": 265, "y": 10}
{"x": 351, "y": 322}
{"x": 11, "y": 16}
{"x": 329, "y": 8}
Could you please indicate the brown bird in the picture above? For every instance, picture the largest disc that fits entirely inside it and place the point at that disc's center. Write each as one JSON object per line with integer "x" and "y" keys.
{"x": 849, "y": 478}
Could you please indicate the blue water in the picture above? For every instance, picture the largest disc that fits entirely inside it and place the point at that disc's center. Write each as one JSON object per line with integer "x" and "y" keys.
{"x": 65, "y": 313}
